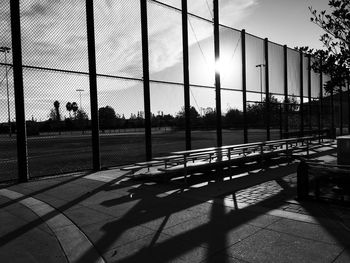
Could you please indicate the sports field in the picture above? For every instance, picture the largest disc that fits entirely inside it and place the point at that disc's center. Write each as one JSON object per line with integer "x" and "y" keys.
{"x": 49, "y": 155}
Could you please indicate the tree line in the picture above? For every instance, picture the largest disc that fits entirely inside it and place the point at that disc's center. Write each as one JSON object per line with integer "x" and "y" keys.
{"x": 109, "y": 119}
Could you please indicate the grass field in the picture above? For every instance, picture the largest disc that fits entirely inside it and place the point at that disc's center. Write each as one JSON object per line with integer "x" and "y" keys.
{"x": 50, "y": 155}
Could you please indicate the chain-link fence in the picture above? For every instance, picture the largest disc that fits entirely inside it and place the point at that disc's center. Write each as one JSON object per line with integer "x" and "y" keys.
{"x": 146, "y": 104}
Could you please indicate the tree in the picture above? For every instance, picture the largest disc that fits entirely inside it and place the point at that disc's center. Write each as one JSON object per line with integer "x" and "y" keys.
{"x": 233, "y": 118}
{"x": 69, "y": 108}
{"x": 193, "y": 113}
{"x": 56, "y": 105}
{"x": 55, "y": 114}
{"x": 81, "y": 115}
{"x": 336, "y": 41}
{"x": 209, "y": 118}
{"x": 52, "y": 115}
{"x": 194, "y": 117}
{"x": 107, "y": 117}
{"x": 256, "y": 112}
{"x": 75, "y": 108}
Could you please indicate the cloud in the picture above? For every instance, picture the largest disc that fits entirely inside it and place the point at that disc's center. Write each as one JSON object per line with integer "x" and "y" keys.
{"x": 232, "y": 11}
{"x": 54, "y": 36}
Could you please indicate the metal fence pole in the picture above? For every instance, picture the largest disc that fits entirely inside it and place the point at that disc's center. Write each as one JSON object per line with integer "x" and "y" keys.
{"x": 186, "y": 74}
{"x": 146, "y": 84}
{"x": 22, "y": 151}
{"x": 217, "y": 73}
{"x": 285, "y": 66}
{"x": 320, "y": 112}
{"x": 301, "y": 108}
{"x": 244, "y": 87}
{"x": 93, "y": 85}
{"x": 309, "y": 90}
{"x": 267, "y": 87}
{"x": 332, "y": 115}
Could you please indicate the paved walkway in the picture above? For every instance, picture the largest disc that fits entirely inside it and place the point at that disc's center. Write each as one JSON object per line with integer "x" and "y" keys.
{"x": 106, "y": 217}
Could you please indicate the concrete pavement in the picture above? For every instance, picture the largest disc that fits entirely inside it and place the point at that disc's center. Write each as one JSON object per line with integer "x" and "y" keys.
{"x": 106, "y": 217}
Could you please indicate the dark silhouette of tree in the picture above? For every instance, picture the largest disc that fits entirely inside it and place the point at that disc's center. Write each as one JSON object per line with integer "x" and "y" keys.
{"x": 69, "y": 108}
{"x": 107, "y": 117}
{"x": 56, "y": 105}
{"x": 52, "y": 115}
{"x": 209, "y": 118}
{"x": 81, "y": 115}
{"x": 193, "y": 113}
{"x": 256, "y": 112}
{"x": 335, "y": 56}
{"x": 194, "y": 117}
{"x": 75, "y": 108}
{"x": 233, "y": 119}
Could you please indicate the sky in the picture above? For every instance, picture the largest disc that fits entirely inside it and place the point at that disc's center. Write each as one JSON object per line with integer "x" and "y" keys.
{"x": 54, "y": 36}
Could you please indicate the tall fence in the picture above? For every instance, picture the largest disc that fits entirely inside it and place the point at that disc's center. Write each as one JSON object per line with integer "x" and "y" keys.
{"x": 92, "y": 84}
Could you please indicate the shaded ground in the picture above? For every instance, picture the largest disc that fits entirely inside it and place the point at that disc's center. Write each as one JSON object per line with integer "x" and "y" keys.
{"x": 135, "y": 221}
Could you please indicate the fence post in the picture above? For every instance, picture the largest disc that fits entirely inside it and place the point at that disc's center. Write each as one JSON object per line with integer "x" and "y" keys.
{"x": 285, "y": 66}
{"x": 244, "y": 87}
{"x": 186, "y": 74}
{"x": 301, "y": 108}
{"x": 93, "y": 85}
{"x": 333, "y": 131}
{"x": 22, "y": 151}
{"x": 146, "y": 86}
{"x": 217, "y": 73}
{"x": 309, "y": 90}
{"x": 267, "y": 87}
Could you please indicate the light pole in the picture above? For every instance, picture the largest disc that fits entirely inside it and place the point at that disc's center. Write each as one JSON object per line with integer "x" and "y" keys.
{"x": 260, "y": 66}
{"x": 80, "y": 91}
{"x": 6, "y": 50}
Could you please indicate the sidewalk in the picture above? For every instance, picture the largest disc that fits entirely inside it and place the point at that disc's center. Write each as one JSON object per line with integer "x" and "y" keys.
{"x": 106, "y": 217}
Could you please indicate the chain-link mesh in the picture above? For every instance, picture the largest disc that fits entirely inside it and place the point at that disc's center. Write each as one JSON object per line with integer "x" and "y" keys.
{"x": 201, "y": 52}
{"x": 165, "y": 43}
{"x": 276, "y": 118}
{"x": 256, "y": 117}
{"x": 118, "y": 38}
{"x": 276, "y": 70}
{"x": 8, "y": 153}
{"x": 57, "y": 104}
{"x": 232, "y": 117}
{"x": 256, "y": 107}
{"x": 57, "y": 92}
{"x": 294, "y": 121}
{"x": 230, "y": 64}
{"x": 121, "y": 116}
{"x": 54, "y": 34}
{"x": 255, "y": 64}
{"x": 173, "y": 3}
{"x": 203, "y": 117}
{"x": 327, "y": 117}
{"x": 58, "y": 123}
{"x": 293, "y": 72}
{"x": 201, "y": 8}
{"x": 306, "y": 76}
{"x": 168, "y": 131}
{"x": 338, "y": 110}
